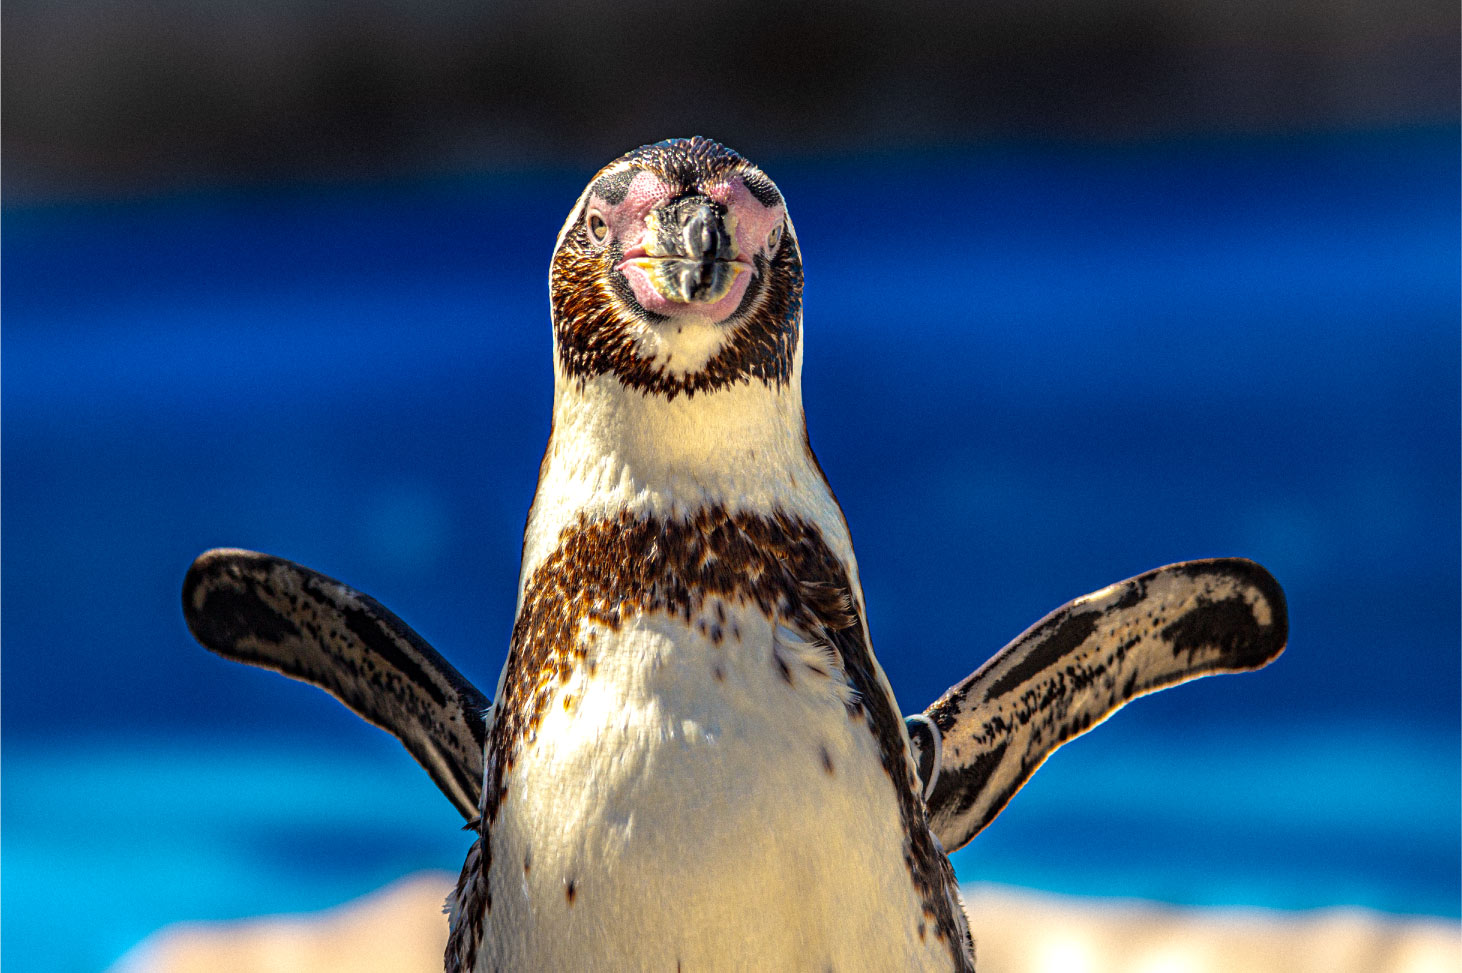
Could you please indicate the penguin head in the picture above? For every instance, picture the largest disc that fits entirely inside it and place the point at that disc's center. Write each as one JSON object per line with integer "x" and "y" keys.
{"x": 679, "y": 257}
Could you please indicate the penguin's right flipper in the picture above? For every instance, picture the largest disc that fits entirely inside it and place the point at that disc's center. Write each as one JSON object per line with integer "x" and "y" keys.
{"x": 273, "y": 613}
{"x": 984, "y": 738}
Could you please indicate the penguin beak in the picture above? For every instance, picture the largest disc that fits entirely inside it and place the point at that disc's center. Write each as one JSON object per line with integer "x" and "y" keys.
{"x": 689, "y": 251}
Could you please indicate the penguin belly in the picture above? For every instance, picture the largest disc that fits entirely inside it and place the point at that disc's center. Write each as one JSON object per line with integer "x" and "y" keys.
{"x": 690, "y": 804}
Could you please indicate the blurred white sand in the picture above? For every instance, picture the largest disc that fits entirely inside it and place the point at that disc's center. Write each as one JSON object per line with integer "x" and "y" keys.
{"x": 401, "y": 929}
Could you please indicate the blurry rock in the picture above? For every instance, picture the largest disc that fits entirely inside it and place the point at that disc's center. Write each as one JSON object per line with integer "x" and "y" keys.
{"x": 1017, "y": 931}
{"x": 401, "y": 929}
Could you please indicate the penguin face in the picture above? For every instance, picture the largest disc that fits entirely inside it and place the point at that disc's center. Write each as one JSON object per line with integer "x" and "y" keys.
{"x": 671, "y": 253}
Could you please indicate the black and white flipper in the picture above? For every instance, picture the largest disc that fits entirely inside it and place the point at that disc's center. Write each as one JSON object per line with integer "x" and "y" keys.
{"x": 1082, "y": 663}
{"x": 273, "y": 613}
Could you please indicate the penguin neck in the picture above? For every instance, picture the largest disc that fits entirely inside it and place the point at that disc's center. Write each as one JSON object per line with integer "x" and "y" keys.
{"x": 616, "y": 450}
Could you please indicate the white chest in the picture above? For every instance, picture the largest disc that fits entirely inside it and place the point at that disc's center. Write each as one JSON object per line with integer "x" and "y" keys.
{"x": 693, "y": 803}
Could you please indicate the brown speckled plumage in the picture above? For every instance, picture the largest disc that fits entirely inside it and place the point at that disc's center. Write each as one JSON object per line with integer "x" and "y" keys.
{"x": 608, "y": 571}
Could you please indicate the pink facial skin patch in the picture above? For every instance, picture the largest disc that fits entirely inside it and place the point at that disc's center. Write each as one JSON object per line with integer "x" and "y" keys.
{"x": 748, "y": 221}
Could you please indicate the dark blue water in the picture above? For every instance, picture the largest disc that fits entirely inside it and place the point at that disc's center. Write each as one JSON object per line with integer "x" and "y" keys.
{"x": 1030, "y": 371}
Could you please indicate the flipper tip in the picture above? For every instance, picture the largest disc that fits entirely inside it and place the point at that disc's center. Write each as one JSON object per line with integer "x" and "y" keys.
{"x": 1251, "y": 625}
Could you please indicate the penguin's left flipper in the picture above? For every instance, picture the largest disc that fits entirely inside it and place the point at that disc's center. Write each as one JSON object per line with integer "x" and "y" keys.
{"x": 273, "y": 613}
{"x": 982, "y": 740}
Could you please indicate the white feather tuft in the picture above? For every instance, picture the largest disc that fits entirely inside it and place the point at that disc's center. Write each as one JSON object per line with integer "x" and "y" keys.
{"x": 813, "y": 658}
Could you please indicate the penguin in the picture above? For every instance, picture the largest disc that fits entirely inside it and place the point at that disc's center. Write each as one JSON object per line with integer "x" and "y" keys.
{"x": 693, "y": 760}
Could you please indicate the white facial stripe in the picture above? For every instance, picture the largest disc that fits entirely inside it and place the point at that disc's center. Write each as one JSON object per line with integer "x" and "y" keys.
{"x": 575, "y": 214}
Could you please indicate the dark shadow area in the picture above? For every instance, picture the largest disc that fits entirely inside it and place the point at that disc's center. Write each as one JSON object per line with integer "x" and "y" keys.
{"x": 105, "y": 97}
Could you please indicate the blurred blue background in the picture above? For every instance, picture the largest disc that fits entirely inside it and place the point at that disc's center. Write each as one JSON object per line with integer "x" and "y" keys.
{"x": 1041, "y": 356}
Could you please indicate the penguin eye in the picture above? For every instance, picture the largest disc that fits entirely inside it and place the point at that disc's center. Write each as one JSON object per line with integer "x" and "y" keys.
{"x": 775, "y": 240}
{"x": 598, "y": 226}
